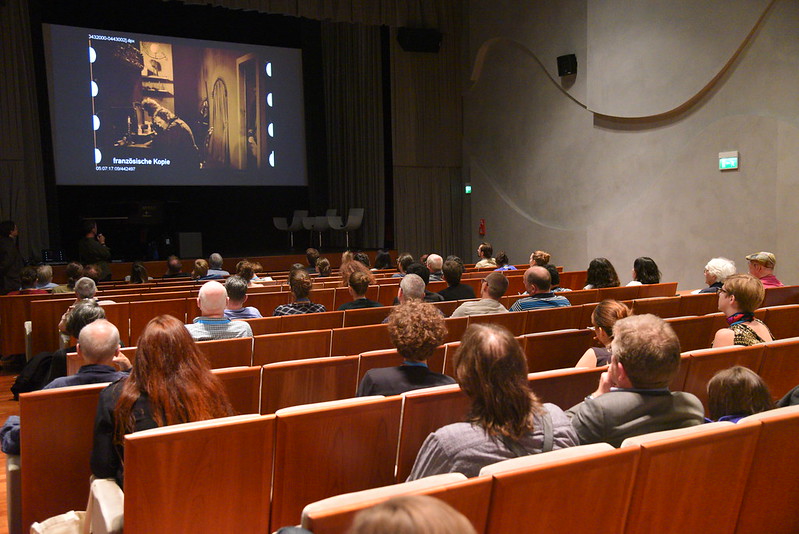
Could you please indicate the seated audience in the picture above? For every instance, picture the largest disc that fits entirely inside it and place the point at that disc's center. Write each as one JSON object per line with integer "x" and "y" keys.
{"x": 98, "y": 346}
{"x": 346, "y": 257}
{"x": 492, "y": 289}
{"x": 486, "y": 252}
{"x": 603, "y": 318}
{"x": 27, "y": 278}
{"x": 74, "y": 272}
{"x": 411, "y": 514}
{"x": 434, "y": 264}
{"x": 716, "y": 271}
{"x": 554, "y": 276}
{"x": 382, "y": 260}
{"x": 735, "y": 393}
{"x": 415, "y": 329}
{"x": 453, "y": 271}
{"x": 790, "y": 399}
{"x": 424, "y": 273}
{"x": 503, "y": 264}
{"x": 359, "y": 284}
{"x": 92, "y": 271}
{"x": 739, "y": 297}
{"x": 44, "y": 278}
{"x": 761, "y": 265}
{"x": 215, "y": 266}
{"x": 236, "y": 288}
{"x": 538, "y": 285}
{"x": 506, "y": 419}
{"x": 403, "y": 260}
{"x": 200, "y": 271}
{"x": 363, "y": 259}
{"x": 633, "y": 396}
{"x": 645, "y": 271}
{"x": 174, "y": 268}
{"x": 540, "y": 258}
{"x": 323, "y": 267}
{"x": 85, "y": 289}
{"x": 351, "y": 267}
{"x": 312, "y": 255}
{"x": 171, "y": 383}
{"x": 212, "y": 323}
{"x": 300, "y": 283}
{"x": 138, "y": 274}
{"x": 601, "y": 273}
{"x": 410, "y": 288}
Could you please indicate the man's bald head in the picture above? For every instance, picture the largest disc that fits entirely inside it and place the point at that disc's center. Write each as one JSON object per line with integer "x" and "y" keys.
{"x": 212, "y": 299}
{"x": 537, "y": 280}
{"x": 435, "y": 262}
{"x": 98, "y": 342}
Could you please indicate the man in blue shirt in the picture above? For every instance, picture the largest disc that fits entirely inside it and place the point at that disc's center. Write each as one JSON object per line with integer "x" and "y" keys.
{"x": 538, "y": 282}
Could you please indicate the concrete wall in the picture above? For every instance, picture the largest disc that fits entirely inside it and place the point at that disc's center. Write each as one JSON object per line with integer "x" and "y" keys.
{"x": 561, "y": 165}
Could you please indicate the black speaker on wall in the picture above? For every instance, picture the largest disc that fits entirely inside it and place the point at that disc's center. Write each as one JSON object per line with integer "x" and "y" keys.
{"x": 419, "y": 39}
{"x": 567, "y": 65}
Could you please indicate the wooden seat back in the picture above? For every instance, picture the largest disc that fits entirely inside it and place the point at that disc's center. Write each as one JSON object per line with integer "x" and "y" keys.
{"x": 548, "y": 319}
{"x": 663, "y": 289}
{"x": 45, "y": 315}
{"x": 175, "y": 476}
{"x": 234, "y": 352}
{"x": 287, "y": 384}
{"x": 776, "y": 296}
{"x": 513, "y": 321}
{"x": 447, "y": 306}
{"x": 661, "y": 306}
{"x": 265, "y": 325}
{"x": 699, "y": 304}
{"x": 119, "y": 315}
{"x": 573, "y": 279}
{"x": 266, "y": 302}
{"x": 325, "y": 297}
{"x": 557, "y": 349}
{"x": 694, "y": 332}
{"x": 780, "y": 366}
{"x": 425, "y": 411}
{"x": 243, "y": 386}
{"x": 618, "y": 293}
{"x": 358, "y": 339}
{"x": 705, "y": 363}
{"x": 376, "y": 359}
{"x": 272, "y": 348}
{"x": 312, "y": 321}
{"x": 342, "y": 295}
{"x": 388, "y": 292}
{"x": 565, "y": 387}
{"x": 314, "y": 460}
{"x": 582, "y": 296}
{"x": 783, "y": 321}
{"x": 366, "y": 316}
{"x": 142, "y": 311}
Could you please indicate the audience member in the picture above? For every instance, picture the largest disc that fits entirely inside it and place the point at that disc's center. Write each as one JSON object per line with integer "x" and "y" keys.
{"x": 538, "y": 285}
{"x": 554, "y": 276}
{"x": 212, "y": 323}
{"x": 82, "y": 313}
{"x": 236, "y": 288}
{"x": 92, "y": 250}
{"x": 434, "y": 264}
{"x": 485, "y": 252}
{"x": 603, "y": 318}
{"x": 492, "y": 288}
{"x": 645, "y": 271}
{"x": 171, "y": 383}
{"x": 411, "y": 514}
{"x": 323, "y": 267}
{"x": 312, "y": 255}
{"x": 215, "y": 262}
{"x": 735, "y": 393}
{"x": 358, "y": 285}
{"x": 44, "y": 278}
{"x": 363, "y": 259}
{"x": 98, "y": 346}
{"x": 761, "y": 265}
{"x": 716, "y": 271}
{"x": 415, "y": 329}
{"x": 503, "y": 264}
{"x": 739, "y": 297}
{"x": 300, "y": 283}
{"x": 346, "y": 257}
{"x": 85, "y": 289}
{"x": 790, "y": 399}
{"x": 11, "y": 262}
{"x": 174, "y": 268}
{"x": 74, "y": 272}
{"x": 633, "y": 396}
{"x": 200, "y": 271}
{"x": 424, "y": 273}
{"x": 601, "y": 273}
{"x": 27, "y": 280}
{"x": 138, "y": 274}
{"x": 351, "y": 267}
{"x": 540, "y": 258}
{"x": 453, "y": 271}
{"x": 506, "y": 419}
{"x": 382, "y": 260}
{"x": 92, "y": 271}
{"x": 246, "y": 271}
{"x": 410, "y": 288}
{"x": 403, "y": 260}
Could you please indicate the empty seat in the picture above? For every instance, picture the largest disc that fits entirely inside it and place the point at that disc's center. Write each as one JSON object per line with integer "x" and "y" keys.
{"x": 780, "y": 366}
{"x": 243, "y": 386}
{"x": 555, "y": 350}
{"x": 272, "y": 348}
{"x": 565, "y": 387}
{"x": 305, "y": 381}
{"x": 354, "y": 221}
{"x": 234, "y": 352}
{"x": 661, "y": 306}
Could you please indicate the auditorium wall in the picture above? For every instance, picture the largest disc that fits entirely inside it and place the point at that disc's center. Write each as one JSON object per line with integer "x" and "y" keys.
{"x": 621, "y": 159}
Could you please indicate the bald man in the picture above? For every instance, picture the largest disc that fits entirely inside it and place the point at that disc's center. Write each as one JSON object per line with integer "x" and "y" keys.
{"x": 212, "y": 323}
{"x": 435, "y": 263}
{"x": 538, "y": 283}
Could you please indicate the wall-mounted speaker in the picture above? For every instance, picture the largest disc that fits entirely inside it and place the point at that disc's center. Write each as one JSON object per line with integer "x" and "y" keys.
{"x": 419, "y": 39}
{"x": 567, "y": 65}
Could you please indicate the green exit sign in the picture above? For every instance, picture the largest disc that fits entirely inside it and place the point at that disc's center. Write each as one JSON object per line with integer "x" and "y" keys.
{"x": 728, "y": 161}
{"x": 468, "y": 189}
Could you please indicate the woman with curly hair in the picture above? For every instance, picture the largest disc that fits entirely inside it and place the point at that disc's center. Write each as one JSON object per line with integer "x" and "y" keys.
{"x": 506, "y": 419}
{"x": 351, "y": 267}
{"x": 415, "y": 329}
{"x": 170, "y": 383}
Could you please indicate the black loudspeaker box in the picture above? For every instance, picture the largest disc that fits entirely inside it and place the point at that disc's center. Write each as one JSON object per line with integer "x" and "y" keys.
{"x": 567, "y": 65}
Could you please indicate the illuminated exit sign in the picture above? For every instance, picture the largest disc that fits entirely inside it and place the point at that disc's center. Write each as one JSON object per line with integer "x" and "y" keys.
{"x": 728, "y": 161}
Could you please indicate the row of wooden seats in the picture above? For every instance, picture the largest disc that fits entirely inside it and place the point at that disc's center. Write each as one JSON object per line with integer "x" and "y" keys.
{"x": 731, "y": 478}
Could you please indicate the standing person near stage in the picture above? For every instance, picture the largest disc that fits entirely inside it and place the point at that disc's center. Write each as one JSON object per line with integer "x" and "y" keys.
{"x": 92, "y": 250}
{"x": 10, "y": 259}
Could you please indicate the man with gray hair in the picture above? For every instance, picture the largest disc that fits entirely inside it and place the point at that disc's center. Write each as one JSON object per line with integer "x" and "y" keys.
{"x": 215, "y": 266}
{"x": 492, "y": 289}
{"x": 85, "y": 288}
{"x": 44, "y": 277}
{"x": 236, "y": 288}
{"x": 411, "y": 288}
{"x": 633, "y": 396}
{"x": 435, "y": 264}
{"x": 212, "y": 323}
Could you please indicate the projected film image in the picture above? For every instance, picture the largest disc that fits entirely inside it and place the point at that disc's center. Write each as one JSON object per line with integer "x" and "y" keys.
{"x": 178, "y": 112}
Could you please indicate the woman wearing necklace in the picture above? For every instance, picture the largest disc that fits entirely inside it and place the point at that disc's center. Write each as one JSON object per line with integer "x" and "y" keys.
{"x": 739, "y": 297}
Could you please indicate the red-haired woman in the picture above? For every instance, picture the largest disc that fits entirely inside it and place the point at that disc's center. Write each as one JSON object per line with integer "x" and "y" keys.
{"x": 170, "y": 383}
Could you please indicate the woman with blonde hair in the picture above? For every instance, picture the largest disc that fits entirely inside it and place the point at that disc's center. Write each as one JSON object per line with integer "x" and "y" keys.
{"x": 200, "y": 269}
{"x": 411, "y": 514}
{"x": 603, "y": 318}
{"x": 739, "y": 297}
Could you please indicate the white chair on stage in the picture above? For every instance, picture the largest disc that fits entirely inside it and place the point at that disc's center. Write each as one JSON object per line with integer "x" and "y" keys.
{"x": 354, "y": 221}
{"x": 318, "y": 224}
{"x": 296, "y": 223}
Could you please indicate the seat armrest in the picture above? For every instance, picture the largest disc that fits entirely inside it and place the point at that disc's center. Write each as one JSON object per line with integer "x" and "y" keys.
{"x": 106, "y": 507}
